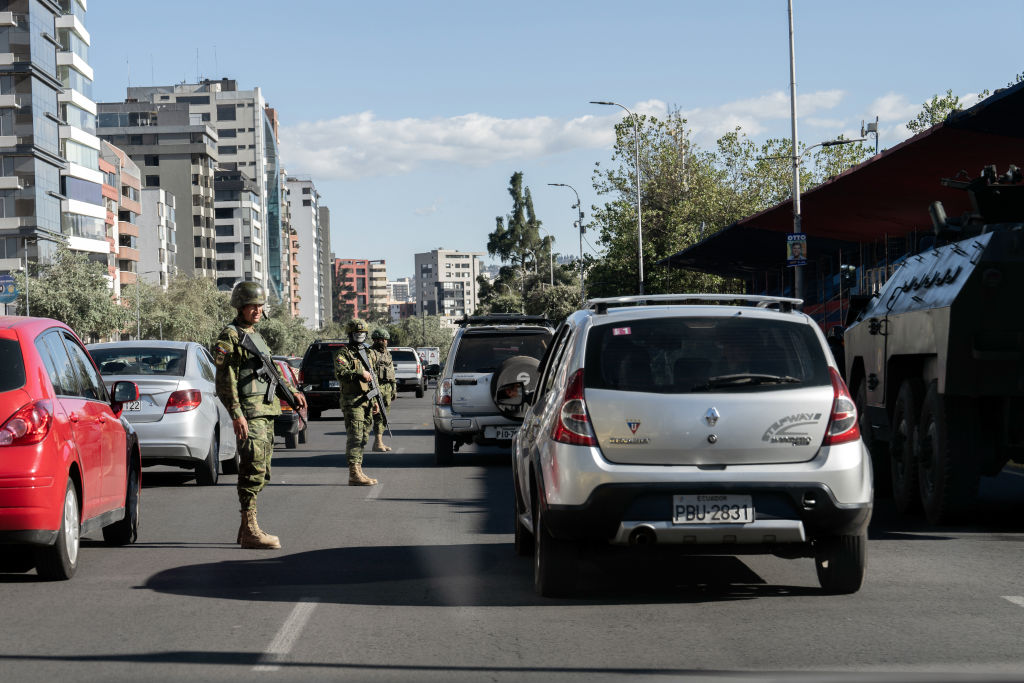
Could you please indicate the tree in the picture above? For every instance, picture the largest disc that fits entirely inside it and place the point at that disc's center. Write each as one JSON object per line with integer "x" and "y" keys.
{"x": 556, "y": 303}
{"x": 75, "y": 291}
{"x": 516, "y": 238}
{"x": 192, "y": 309}
{"x": 422, "y": 331}
{"x": 934, "y": 111}
{"x": 284, "y": 334}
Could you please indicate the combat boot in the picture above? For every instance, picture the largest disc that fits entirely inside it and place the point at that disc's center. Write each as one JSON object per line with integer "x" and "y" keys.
{"x": 356, "y": 476}
{"x": 378, "y": 445}
{"x": 252, "y": 536}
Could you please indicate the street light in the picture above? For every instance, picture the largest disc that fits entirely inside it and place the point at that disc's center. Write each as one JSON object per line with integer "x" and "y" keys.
{"x": 583, "y": 299}
{"x": 639, "y": 218}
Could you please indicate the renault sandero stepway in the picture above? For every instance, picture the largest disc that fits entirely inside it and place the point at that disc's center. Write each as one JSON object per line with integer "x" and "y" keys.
{"x": 69, "y": 462}
{"x": 718, "y": 424}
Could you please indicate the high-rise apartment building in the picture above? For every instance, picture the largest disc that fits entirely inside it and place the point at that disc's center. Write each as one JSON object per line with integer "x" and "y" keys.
{"x": 290, "y": 252}
{"x": 30, "y": 156}
{"x": 240, "y": 233}
{"x": 157, "y": 249}
{"x": 400, "y": 290}
{"x": 446, "y": 282}
{"x": 127, "y": 180}
{"x": 325, "y": 264}
{"x": 177, "y": 152}
{"x": 360, "y": 287}
{"x": 314, "y": 289}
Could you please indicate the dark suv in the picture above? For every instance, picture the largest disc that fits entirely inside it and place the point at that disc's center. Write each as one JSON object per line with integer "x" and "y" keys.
{"x": 317, "y": 378}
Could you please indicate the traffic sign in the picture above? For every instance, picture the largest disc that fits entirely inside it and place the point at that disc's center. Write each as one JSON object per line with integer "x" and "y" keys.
{"x": 8, "y": 289}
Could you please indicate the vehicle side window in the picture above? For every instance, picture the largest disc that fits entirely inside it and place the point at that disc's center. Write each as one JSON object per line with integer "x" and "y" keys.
{"x": 553, "y": 360}
{"x": 89, "y": 379}
{"x": 206, "y": 365}
{"x": 58, "y": 365}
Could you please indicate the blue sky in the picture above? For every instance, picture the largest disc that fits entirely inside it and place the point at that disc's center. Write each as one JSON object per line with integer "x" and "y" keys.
{"x": 411, "y": 116}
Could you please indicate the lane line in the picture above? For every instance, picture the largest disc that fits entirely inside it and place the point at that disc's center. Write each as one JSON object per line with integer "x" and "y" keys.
{"x": 1015, "y": 599}
{"x": 283, "y": 642}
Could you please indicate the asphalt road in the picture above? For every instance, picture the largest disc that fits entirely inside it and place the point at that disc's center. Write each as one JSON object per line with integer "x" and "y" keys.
{"x": 416, "y": 580}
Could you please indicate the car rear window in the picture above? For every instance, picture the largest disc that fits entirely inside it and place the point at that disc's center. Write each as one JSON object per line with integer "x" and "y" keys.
{"x": 322, "y": 354}
{"x": 12, "y": 370}
{"x": 485, "y": 352}
{"x": 404, "y": 356}
{"x": 686, "y": 355}
{"x": 139, "y": 360}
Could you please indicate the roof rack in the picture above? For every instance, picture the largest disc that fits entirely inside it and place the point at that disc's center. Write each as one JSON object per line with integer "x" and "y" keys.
{"x": 784, "y": 304}
{"x": 503, "y": 319}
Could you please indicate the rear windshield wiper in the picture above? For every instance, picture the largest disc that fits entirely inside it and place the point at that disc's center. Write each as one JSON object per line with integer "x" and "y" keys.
{"x": 746, "y": 379}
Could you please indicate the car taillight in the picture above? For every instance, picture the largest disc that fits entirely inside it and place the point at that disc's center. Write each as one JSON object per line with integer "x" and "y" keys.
{"x": 573, "y": 424}
{"x": 183, "y": 400}
{"x": 444, "y": 393}
{"x": 29, "y": 425}
{"x": 842, "y": 424}
{"x": 285, "y": 407}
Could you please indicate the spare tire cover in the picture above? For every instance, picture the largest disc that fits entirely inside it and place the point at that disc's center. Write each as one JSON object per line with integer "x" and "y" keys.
{"x": 515, "y": 369}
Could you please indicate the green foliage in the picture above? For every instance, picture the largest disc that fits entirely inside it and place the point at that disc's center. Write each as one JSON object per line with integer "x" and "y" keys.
{"x": 934, "y": 111}
{"x": 75, "y": 291}
{"x": 422, "y": 331}
{"x": 557, "y": 302}
{"x": 286, "y": 336}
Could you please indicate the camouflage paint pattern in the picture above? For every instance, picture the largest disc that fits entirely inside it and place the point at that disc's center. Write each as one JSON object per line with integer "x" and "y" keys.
{"x": 348, "y": 368}
{"x": 254, "y": 455}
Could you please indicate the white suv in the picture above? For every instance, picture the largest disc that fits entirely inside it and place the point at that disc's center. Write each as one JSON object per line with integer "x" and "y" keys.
{"x": 717, "y": 423}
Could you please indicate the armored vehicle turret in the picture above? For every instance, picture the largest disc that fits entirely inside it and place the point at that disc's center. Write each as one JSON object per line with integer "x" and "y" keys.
{"x": 936, "y": 359}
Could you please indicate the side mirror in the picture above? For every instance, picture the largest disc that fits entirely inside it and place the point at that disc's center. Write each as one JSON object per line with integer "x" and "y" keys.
{"x": 124, "y": 392}
{"x": 511, "y": 395}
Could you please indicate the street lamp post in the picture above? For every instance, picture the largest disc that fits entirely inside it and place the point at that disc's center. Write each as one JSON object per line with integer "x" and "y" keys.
{"x": 639, "y": 217}
{"x": 579, "y": 224}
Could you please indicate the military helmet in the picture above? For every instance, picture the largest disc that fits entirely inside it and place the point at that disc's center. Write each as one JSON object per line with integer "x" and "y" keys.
{"x": 380, "y": 334}
{"x": 247, "y": 292}
{"x": 355, "y": 326}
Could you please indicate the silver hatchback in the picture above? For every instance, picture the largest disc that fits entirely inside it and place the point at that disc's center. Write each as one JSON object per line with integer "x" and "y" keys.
{"x": 178, "y": 417}
{"x": 716, "y": 423}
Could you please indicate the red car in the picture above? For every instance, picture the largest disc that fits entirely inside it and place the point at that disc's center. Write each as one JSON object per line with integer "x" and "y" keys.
{"x": 69, "y": 465}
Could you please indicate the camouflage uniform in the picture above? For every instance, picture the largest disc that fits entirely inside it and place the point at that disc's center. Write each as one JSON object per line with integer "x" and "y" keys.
{"x": 354, "y": 404}
{"x": 385, "y": 367}
{"x": 244, "y": 395}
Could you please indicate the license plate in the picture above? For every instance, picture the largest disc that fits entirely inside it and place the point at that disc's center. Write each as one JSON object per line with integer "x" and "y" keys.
{"x": 712, "y": 508}
{"x": 133, "y": 405}
{"x": 332, "y": 384}
{"x": 501, "y": 433}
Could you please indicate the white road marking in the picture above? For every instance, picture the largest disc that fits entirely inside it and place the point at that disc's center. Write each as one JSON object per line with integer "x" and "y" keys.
{"x": 285, "y": 638}
{"x": 1015, "y": 599}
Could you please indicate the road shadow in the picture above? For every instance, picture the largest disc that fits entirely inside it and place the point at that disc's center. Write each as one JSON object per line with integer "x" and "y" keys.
{"x": 482, "y": 575}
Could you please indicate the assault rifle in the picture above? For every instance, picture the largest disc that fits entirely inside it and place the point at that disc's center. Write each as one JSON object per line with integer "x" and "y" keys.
{"x": 374, "y": 393}
{"x": 267, "y": 372}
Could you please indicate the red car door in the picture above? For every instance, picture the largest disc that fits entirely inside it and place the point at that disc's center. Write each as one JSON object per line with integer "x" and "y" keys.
{"x": 107, "y": 430}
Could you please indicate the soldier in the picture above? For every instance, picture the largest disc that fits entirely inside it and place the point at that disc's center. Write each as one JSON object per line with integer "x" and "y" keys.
{"x": 387, "y": 383}
{"x": 354, "y": 380}
{"x": 244, "y": 394}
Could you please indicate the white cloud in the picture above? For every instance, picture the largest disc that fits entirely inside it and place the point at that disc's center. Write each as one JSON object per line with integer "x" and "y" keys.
{"x": 428, "y": 210}
{"x": 360, "y": 145}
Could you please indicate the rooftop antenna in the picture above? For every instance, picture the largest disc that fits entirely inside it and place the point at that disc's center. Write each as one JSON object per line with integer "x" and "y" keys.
{"x": 126, "y": 61}
{"x": 216, "y": 66}
{"x": 197, "y": 65}
{"x": 152, "y": 70}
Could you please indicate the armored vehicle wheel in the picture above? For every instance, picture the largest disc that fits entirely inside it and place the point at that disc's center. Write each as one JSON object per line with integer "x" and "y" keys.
{"x": 878, "y": 448}
{"x": 840, "y": 561}
{"x": 902, "y": 462}
{"x": 948, "y": 477}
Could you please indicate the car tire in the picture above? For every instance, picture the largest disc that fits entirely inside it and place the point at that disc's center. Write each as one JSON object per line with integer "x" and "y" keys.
{"x": 290, "y": 440}
{"x": 523, "y": 538}
{"x": 902, "y": 461}
{"x": 554, "y": 561}
{"x": 419, "y": 390}
{"x": 230, "y": 466}
{"x": 208, "y": 469}
{"x": 444, "y": 449}
{"x": 302, "y": 435}
{"x": 125, "y": 531}
{"x": 879, "y": 449}
{"x": 840, "y": 561}
{"x": 59, "y": 561}
{"x": 948, "y": 477}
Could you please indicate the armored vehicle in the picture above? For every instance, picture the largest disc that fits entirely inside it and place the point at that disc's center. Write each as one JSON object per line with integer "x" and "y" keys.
{"x": 936, "y": 360}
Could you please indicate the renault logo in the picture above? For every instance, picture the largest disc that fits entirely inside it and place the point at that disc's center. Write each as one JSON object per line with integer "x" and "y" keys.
{"x": 712, "y": 416}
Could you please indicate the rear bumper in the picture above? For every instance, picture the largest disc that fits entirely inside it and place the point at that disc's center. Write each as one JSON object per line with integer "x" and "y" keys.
{"x": 29, "y": 510}
{"x": 323, "y": 400}
{"x": 176, "y": 437}
{"x": 409, "y": 383}
{"x": 470, "y": 428}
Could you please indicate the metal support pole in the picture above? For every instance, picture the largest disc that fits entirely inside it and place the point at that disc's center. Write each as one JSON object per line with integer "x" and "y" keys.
{"x": 798, "y": 271}
{"x": 27, "y": 313}
{"x": 579, "y": 224}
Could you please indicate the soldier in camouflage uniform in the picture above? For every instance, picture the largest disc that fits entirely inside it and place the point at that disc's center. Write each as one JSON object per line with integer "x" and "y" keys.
{"x": 387, "y": 383}
{"x": 354, "y": 381}
{"x": 244, "y": 396}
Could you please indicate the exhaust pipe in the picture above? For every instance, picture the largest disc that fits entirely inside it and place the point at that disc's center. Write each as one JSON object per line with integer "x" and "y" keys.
{"x": 643, "y": 535}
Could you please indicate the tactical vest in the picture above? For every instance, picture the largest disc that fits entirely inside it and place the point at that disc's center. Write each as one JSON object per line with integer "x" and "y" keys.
{"x": 385, "y": 367}
{"x": 248, "y": 383}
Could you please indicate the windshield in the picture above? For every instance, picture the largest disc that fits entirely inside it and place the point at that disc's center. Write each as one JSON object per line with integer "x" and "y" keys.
{"x": 685, "y": 355}
{"x": 485, "y": 352}
{"x": 136, "y": 360}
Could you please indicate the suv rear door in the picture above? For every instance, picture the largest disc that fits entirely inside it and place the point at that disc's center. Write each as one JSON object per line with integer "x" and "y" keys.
{"x": 710, "y": 390}
{"x": 480, "y": 353}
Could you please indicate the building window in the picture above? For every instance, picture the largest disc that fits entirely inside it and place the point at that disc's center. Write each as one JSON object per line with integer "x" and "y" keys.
{"x": 225, "y": 112}
{"x": 225, "y": 231}
{"x": 227, "y": 133}
{"x": 225, "y": 265}
{"x": 227, "y": 149}
{"x": 152, "y": 181}
{"x": 151, "y": 160}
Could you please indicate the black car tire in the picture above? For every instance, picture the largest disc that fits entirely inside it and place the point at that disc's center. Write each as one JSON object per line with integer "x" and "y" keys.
{"x": 290, "y": 440}
{"x": 59, "y": 561}
{"x": 947, "y": 475}
{"x": 523, "y": 538}
{"x": 230, "y": 466}
{"x": 419, "y": 390}
{"x": 554, "y": 561}
{"x": 208, "y": 469}
{"x": 125, "y": 531}
{"x": 840, "y": 561}
{"x": 444, "y": 449}
{"x": 902, "y": 462}
{"x": 302, "y": 434}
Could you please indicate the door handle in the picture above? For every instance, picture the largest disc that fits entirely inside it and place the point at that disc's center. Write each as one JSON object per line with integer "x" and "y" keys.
{"x": 102, "y": 419}
{"x": 73, "y": 417}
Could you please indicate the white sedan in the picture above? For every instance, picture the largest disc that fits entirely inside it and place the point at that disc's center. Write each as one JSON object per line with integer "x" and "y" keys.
{"x": 178, "y": 417}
